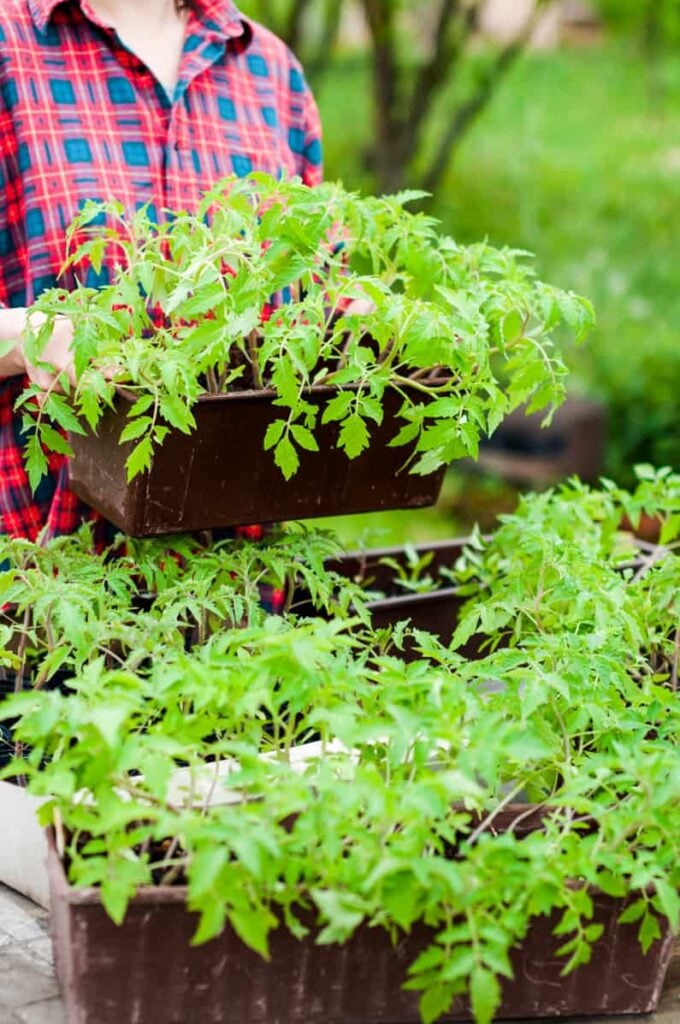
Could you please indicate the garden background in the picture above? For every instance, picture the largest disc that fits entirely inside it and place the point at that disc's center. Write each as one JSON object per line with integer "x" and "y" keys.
{"x": 552, "y": 127}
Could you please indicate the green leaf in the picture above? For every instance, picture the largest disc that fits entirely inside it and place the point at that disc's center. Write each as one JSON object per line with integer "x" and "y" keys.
{"x": 55, "y": 441}
{"x": 58, "y": 408}
{"x": 206, "y": 866}
{"x": 108, "y": 721}
{"x": 253, "y": 928}
{"x": 512, "y": 326}
{"x": 668, "y": 901}
{"x": 116, "y": 895}
{"x": 338, "y": 407}
{"x": 286, "y": 458}
{"x": 142, "y": 405}
{"x": 344, "y": 913}
{"x": 434, "y": 1003}
{"x": 177, "y": 413}
{"x": 650, "y": 931}
{"x": 485, "y": 995}
{"x": 212, "y": 922}
{"x": 139, "y": 459}
{"x": 354, "y": 437}
{"x": 35, "y": 461}
{"x": 408, "y": 433}
{"x": 305, "y": 438}
{"x": 274, "y": 433}
{"x": 135, "y": 429}
{"x": 633, "y": 912}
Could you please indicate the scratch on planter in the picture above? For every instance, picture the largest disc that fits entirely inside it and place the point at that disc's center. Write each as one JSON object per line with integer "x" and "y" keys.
{"x": 187, "y": 480}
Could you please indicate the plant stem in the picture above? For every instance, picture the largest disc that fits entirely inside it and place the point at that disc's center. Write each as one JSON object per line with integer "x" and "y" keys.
{"x": 485, "y": 824}
{"x": 213, "y": 385}
{"x": 676, "y": 661}
{"x": 253, "y": 353}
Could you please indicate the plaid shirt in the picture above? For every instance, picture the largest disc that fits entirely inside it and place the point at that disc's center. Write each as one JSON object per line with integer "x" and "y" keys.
{"x": 82, "y": 118}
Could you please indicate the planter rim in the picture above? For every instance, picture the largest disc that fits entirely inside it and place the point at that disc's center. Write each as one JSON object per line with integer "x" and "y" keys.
{"x": 263, "y": 394}
{"x": 407, "y": 598}
{"x": 398, "y": 549}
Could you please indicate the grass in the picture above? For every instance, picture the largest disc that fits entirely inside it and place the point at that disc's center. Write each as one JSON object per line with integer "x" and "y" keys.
{"x": 577, "y": 160}
{"x": 391, "y": 529}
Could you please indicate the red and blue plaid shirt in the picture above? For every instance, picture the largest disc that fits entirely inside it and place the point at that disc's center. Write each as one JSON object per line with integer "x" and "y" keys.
{"x": 82, "y": 118}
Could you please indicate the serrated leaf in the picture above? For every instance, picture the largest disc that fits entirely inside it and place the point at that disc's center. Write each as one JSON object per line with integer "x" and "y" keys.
{"x": 633, "y": 912}
{"x": 649, "y": 932}
{"x": 212, "y": 922}
{"x": 305, "y": 438}
{"x": 177, "y": 413}
{"x": 274, "y": 433}
{"x": 206, "y": 866}
{"x": 57, "y": 407}
{"x": 338, "y": 407}
{"x": 35, "y": 462}
{"x": 485, "y": 995}
{"x": 354, "y": 437}
{"x": 135, "y": 429}
{"x": 139, "y": 459}
{"x": 668, "y": 901}
{"x": 253, "y": 927}
{"x": 434, "y": 1003}
{"x": 55, "y": 441}
{"x": 286, "y": 458}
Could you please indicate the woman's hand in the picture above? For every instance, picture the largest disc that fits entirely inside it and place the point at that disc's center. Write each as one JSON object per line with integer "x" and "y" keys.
{"x": 13, "y": 358}
{"x": 56, "y": 354}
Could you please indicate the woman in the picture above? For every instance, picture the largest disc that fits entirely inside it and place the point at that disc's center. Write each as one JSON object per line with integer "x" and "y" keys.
{"x": 145, "y": 102}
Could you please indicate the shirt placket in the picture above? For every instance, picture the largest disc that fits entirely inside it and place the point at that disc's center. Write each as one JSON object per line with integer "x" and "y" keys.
{"x": 180, "y": 149}
{"x": 203, "y": 48}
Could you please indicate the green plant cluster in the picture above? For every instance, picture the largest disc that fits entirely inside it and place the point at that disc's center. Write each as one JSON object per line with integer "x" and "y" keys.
{"x": 299, "y": 772}
{"x": 561, "y": 566}
{"x": 460, "y": 334}
{"x": 65, "y": 606}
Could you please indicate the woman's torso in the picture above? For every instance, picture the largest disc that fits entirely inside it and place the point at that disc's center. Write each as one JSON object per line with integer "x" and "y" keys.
{"x": 82, "y": 118}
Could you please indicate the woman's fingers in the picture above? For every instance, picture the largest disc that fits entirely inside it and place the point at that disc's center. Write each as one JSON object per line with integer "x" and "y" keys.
{"x": 56, "y": 359}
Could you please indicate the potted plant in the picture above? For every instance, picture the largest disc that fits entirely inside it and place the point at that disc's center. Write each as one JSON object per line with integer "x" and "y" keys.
{"x": 414, "y": 585}
{"x": 574, "y": 530}
{"x": 299, "y": 411}
{"x": 64, "y": 607}
{"x": 396, "y": 847}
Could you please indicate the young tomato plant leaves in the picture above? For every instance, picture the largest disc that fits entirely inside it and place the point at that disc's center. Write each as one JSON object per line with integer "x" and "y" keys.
{"x": 248, "y": 294}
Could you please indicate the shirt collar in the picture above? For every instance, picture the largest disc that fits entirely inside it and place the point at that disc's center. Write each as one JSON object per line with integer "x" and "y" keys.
{"x": 219, "y": 15}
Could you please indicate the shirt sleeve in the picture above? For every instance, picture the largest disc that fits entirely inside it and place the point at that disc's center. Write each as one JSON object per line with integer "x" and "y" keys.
{"x": 6, "y": 161}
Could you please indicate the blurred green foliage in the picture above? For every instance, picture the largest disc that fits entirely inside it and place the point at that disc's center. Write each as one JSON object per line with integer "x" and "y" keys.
{"x": 577, "y": 162}
{"x": 651, "y": 19}
{"x": 416, "y": 55}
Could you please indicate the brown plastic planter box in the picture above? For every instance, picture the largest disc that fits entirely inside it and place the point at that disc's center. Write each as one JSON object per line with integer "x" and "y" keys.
{"x": 220, "y": 476}
{"x": 434, "y": 612}
{"x": 146, "y": 971}
{"x": 522, "y": 451}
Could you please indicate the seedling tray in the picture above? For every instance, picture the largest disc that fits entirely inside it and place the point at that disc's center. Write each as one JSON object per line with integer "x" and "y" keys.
{"x": 220, "y": 476}
{"x": 436, "y": 611}
{"x": 146, "y": 970}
